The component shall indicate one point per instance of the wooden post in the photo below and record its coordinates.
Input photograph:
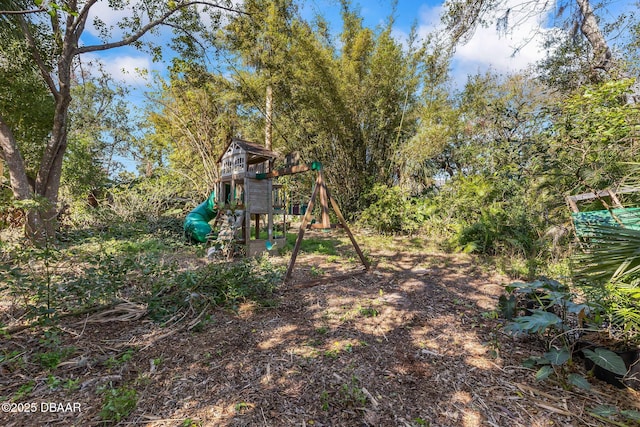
(615, 199)
(572, 204)
(336, 209)
(324, 204)
(303, 226)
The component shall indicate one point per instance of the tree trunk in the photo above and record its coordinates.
(591, 30)
(15, 163)
(50, 172)
(268, 130)
(19, 181)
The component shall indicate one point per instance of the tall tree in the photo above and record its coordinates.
(262, 39)
(192, 117)
(53, 33)
(99, 131)
(354, 103)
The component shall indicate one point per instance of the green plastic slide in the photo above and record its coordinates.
(196, 224)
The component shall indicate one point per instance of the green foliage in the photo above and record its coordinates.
(99, 130)
(391, 210)
(609, 412)
(118, 403)
(118, 361)
(49, 360)
(150, 198)
(560, 329)
(606, 359)
(23, 391)
(546, 308)
(538, 321)
(188, 124)
(127, 261)
(347, 395)
(26, 106)
(226, 284)
(594, 129)
(607, 269)
(488, 216)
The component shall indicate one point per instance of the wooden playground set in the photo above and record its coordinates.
(250, 198)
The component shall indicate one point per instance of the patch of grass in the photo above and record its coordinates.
(313, 245)
(71, 385)
(322, 330)
(24, 390)
(332, 354)
(51, 359)
(215, 284)
(368, 312)
(118, 361)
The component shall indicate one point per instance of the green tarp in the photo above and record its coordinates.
(583, 221)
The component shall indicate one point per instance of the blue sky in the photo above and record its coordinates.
(486, 50)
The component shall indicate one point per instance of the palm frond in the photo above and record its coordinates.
(611, 253)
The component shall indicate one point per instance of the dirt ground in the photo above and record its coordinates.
(411, 342)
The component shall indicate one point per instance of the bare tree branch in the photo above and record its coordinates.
(22, 12)
(142, 31)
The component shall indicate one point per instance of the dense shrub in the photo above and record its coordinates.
(391, 210)
(488, 216)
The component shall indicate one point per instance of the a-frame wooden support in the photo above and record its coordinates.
(320, 187)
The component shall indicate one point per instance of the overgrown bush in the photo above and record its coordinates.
(156, 200)
(91, 269)
(391, 210)
(488, 216)
(216, 284)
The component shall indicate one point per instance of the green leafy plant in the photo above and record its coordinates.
(368, 312)
(324, 400)
(71, 384)
(189, 423)
(118, 403)
(390, 210)
(607, 413)
(117, 361)
(23, 391)
(352, 395)
(546, 308)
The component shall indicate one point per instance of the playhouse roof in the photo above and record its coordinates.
(255, 153)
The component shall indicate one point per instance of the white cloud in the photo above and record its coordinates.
(487, 49)
(128, 69)
(106, 14)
